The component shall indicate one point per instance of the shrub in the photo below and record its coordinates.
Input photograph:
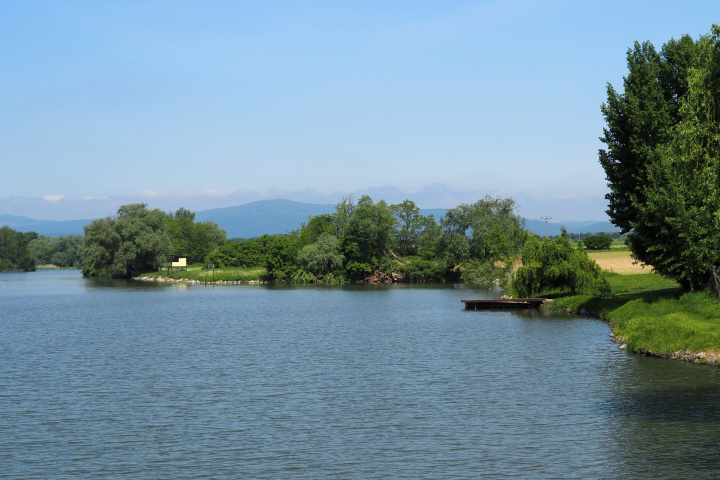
(550, 265)
(598, 242)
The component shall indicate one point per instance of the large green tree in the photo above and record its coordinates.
(367, 236)
(481, 235)
(14, 253)
(135, 241)
(190, 239)
(662, 157)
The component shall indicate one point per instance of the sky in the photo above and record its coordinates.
(209, 103)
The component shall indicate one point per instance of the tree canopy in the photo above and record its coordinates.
(62, 251)
(135, 241)
(662, 156)
(14, 253)
(190, 239)
(597, 242)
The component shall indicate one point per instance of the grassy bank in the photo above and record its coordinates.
(199, 274)
(650, 314)
(690, 323)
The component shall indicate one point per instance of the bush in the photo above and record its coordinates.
(484, 273)
(422, 271)
(598, 242)
(552, 265)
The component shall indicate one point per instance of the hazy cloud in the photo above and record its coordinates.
(53, 198)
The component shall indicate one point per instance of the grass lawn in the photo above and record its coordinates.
(200, 274)
(690, 323)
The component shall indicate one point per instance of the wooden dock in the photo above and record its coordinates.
(504, 303)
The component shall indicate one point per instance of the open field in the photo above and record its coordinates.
(618, 261)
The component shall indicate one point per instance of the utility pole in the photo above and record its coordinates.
(546, 225)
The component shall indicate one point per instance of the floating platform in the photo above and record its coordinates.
(504, 303)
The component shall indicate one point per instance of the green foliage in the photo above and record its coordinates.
(344, 210)
(247, 253)
(552, 265)
(412, 232)
(429, 238)
(357, 270)
(193, 240)
(454, 251)
(421, 271)
(280, 257)
(14, 252)
(276, 253)
(486, 232)
(485, 273)
(62, 251)
(598, 242)
(134, 242)
(321, 257)
(663, 157)
(316, 226)
(367, 234)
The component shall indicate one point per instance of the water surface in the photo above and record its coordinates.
(141, 380)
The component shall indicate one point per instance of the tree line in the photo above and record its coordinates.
(480, 243)
(364, 238)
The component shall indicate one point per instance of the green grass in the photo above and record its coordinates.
(625, 288)
(651, 313)
(667, 325)
(198, 273)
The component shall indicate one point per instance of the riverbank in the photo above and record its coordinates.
(192, 281)
(197, 275)
(651, 315)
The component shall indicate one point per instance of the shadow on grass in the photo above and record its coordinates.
(601, 306)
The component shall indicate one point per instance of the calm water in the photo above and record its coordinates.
(127, 379)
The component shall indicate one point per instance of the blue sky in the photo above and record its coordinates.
(207, 104)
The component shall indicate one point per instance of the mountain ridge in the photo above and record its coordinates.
(273, 217)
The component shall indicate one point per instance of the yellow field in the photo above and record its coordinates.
(618, 261)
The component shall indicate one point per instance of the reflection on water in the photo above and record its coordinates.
(667, 416)
(142, 380)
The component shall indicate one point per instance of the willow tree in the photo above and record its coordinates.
(662, 159)
(555, 265)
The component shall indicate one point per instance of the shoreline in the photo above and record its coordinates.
(190, 281)
(709, 357)
(701, 358)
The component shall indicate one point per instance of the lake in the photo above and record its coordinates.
(111, 379)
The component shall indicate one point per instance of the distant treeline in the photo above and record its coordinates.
(583, 236)
(481, 243)
(474, 243)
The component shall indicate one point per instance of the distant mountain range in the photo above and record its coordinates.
(272, 217)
